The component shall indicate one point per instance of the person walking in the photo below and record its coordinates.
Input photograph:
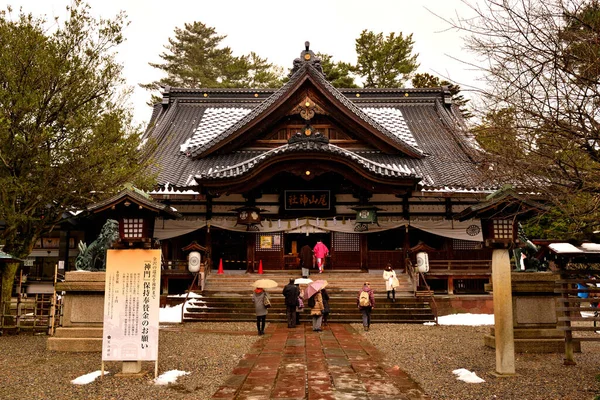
(300, 307)
(291, 293)
(258, 297)
(315, 303)
(391, 281)
(306, 260)
(320, 251)
(326, 309)
(366, 302)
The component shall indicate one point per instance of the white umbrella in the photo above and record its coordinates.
(265, 284)
(302, 281)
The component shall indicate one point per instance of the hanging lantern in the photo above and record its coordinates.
(422, 262)
(194, 262)
(366, 214)
(248, 215)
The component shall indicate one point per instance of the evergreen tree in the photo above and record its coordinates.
(66, 136)
(194, 59)
(338, 73)
(385, 61)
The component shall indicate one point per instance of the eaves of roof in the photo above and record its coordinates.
(244, 167)
(128, 194)
(509, 201)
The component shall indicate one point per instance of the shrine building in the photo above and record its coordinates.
(376, 174)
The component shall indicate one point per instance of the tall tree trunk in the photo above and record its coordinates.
(8, 279)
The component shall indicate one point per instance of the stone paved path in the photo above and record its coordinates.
(336, 364)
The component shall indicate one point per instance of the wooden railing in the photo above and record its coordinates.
(460, 266)
(416, 279)
(570, 307)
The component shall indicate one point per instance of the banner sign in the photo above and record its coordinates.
(307, 200)
(131, 305)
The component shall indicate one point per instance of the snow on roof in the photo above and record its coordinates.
(392, 120)
(214, 122)
(564, 248)
(591, 246)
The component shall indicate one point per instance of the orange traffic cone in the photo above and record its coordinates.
(220, 271)
(260, 269)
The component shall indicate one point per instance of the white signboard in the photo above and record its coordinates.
(131, 305)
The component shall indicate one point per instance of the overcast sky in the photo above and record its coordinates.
(277, 30)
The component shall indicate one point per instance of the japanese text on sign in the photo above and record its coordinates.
(131, 303)
(307, 199)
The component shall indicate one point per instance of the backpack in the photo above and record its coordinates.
(363, 299)
(311, 301)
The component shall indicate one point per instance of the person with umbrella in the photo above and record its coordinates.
(301, 284)
(366, 302)
(260, 300)
(291, 293)
(315, 302)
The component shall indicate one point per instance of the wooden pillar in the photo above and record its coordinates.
(503, 313)
(208, 245)
(250, 252)
(569, 356)
(364, 252)
(450, 284)
(405, 248)
(63, 249)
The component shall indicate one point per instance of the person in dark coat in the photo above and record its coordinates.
(366, 308)
(306, 260)
(291, 293)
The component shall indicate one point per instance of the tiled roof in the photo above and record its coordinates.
(392, 120)
(418, 120)
(137, 197)
(303, 71)
(214, 122)
(390, 170)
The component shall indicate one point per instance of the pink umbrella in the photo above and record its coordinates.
(314, 287)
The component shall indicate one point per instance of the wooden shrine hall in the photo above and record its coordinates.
(376, 174)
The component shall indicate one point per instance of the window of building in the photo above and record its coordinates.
(346, 241)
(502, 229)
(133, 228)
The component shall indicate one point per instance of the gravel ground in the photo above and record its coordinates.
(428, 353)
(29, 371)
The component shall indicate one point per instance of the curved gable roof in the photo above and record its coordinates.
(245, 166)
(378, 124)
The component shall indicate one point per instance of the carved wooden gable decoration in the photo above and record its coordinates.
(307, 103)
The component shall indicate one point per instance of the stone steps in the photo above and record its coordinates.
(227, 298)
(339, 281)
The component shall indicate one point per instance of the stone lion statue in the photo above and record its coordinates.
(93, 257)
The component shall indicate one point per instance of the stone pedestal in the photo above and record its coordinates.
(534, 315)
(83, 313)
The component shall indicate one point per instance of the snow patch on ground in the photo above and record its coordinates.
(465, 375)
(169, 377)
(87, 378)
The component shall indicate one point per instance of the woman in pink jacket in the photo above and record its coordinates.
(320, 251)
